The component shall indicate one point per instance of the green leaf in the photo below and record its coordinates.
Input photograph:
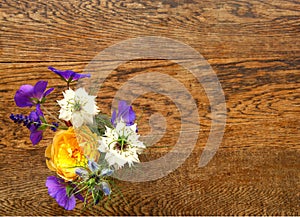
(43, 100)
(69, 189)
(34, 100)
(42, 127)
(43, 119)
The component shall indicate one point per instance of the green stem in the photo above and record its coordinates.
(80, 190)
(49, 113)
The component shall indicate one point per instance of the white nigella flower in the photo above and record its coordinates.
(78, 107)
(121, 145)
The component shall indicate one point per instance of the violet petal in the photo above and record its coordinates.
(78, 76)
(68, 74)
(36, 136)
(39, 89)
(62, 74)
(48, 92)
(53, 185)
(39, 111)
(23, 95)
(63, 200)
(57, 190)
(79, 197)
(113, 117)
(34, 116)
(126, 113)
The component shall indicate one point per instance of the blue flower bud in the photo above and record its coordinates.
(82, 173)
(105, 188)
(93, 166)
(106, 172)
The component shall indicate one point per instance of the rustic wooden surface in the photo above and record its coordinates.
(253, 46)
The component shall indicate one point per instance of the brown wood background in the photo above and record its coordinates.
(254, 48)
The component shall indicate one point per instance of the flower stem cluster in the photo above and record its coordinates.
(94, 180)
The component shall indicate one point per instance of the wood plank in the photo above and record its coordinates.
(76, 31)
(260, 181)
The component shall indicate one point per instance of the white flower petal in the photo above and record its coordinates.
(116, 157)
(78, 107)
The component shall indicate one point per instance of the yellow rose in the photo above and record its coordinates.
(65, 154)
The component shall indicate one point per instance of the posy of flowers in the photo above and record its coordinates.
(87, 147)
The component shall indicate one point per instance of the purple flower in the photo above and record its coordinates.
(32, 122)
(68, 75)
(60, 191)
(125, 113)
(29, 95)
(35, 134)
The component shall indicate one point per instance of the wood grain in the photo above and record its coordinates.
(253, 46)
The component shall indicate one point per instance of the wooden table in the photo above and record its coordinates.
(252, 46)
